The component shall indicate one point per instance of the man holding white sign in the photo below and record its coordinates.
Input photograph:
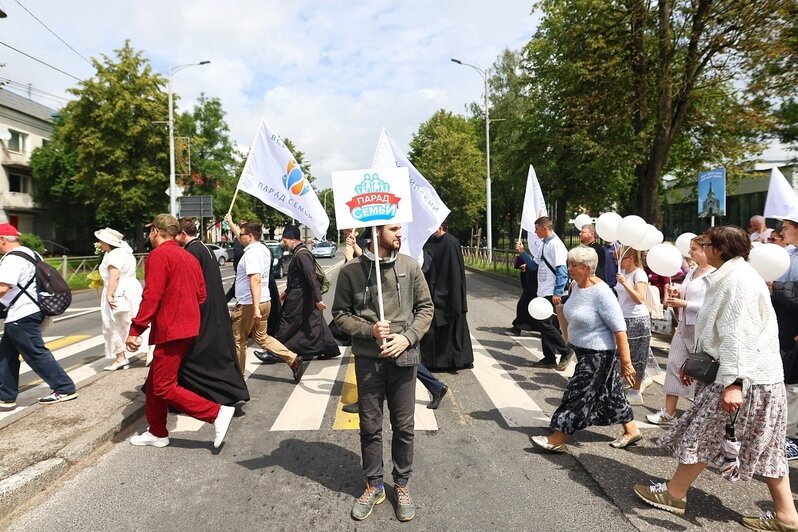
(386, 355)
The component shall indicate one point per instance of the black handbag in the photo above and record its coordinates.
(701, 366)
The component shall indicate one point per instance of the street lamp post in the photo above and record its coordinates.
(484, 75)
(172, 186)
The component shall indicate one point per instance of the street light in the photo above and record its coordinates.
(172, 199)
(484, 75)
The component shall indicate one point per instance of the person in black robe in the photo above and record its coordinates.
(210, 368)
(447, 344)
(529, 286)
(302, 327)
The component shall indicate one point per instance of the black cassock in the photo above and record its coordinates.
(210, 368)
(302, 327)
(447, 344)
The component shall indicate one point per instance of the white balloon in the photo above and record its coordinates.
(540, 308)
(652, 238)
(755, 244)
(631, 230)
(770, 261)
(582, 220)
(683, 243)
(607, 226)
(664, 260)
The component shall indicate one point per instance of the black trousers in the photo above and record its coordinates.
(551, 337)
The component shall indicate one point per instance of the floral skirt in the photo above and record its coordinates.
(594, 395)
(761, 429)
(638, 330)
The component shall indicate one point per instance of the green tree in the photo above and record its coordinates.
(445, 151)
(658, 87)
(109, 156)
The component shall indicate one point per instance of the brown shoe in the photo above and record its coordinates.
(298, 369)
(769, 522)
(657, 496)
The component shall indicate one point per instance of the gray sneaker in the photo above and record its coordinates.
(365, 504)
(405, 509)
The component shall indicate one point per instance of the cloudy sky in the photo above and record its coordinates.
(327, 74)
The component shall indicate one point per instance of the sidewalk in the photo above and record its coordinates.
(41, 443)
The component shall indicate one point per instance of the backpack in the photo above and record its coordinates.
(324, 283)
(52, 291)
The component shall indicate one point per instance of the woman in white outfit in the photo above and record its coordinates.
(121, 295)
(686, 298)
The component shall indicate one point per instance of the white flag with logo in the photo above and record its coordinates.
(781, 196)
(272, 175)
(534, 204)
(429, 211)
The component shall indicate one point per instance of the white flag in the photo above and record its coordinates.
(534, 204)
(272, 175)
(781, 196)
(428, 209)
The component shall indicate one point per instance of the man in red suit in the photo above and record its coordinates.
(174, 288)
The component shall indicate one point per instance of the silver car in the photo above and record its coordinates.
(324, 249)
(219, 253)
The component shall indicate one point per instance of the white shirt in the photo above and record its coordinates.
(17, 270)
(629, 307)
(755, 235)
(257, 259)
(557, 255)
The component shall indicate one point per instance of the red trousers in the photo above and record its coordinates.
(163, 389)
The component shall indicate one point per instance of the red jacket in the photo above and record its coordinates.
(174, 288)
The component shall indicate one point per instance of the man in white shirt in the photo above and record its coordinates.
(757, 230)
(23, 332)
(550, 256)
(252, 284)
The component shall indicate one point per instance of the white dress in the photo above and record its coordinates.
(116, 326)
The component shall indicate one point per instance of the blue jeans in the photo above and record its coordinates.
(24, 337)
(430, 382)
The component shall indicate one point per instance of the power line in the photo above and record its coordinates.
(51, 31)
(30, 88)
(40, 61)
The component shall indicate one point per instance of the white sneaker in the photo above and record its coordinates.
(222, 423)
(648, 381)
(148, 439)
(661, 418)
(635, 399)
(125, 364)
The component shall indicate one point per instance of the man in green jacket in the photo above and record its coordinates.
(384, 366)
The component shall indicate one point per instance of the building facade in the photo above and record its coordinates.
(24, 126)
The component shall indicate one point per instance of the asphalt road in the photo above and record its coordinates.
(474, 466)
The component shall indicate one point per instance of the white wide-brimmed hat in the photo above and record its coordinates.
(112, 237)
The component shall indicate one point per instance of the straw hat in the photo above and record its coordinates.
(112, 237)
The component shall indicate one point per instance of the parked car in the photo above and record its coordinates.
(219, 253)
(324, 249)
(227, 245)
(280, 256)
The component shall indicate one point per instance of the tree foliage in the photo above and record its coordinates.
(445, 151)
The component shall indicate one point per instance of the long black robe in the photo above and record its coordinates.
(302, 326)
(210, 368)
(447, 344)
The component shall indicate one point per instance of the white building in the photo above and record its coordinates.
(24, 126)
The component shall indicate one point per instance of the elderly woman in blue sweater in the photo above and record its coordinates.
(594, 326)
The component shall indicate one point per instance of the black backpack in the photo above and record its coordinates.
(52, 291)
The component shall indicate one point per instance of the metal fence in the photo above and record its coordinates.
(71, 266)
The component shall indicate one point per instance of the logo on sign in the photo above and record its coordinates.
(373, 200)
(294, 181)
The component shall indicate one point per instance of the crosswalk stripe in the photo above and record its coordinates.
(73, 345)
(307, 404)
(513, 403)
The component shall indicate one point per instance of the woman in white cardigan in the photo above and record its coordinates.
(686, 299)
(737, 326)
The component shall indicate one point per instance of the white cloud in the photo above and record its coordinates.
(327, 74)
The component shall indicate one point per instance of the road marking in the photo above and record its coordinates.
(307, 404)
(74, 345)
(512, 402)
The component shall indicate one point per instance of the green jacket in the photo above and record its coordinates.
(406, 301)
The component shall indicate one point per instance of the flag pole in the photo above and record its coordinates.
(379, 278)
(235, 195)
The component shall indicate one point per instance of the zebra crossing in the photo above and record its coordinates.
(306, 407)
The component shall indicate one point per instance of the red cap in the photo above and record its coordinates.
(8, 230)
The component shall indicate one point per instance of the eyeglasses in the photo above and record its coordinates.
(705, 244)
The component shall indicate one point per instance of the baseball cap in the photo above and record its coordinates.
(165, 222)
(8, 230)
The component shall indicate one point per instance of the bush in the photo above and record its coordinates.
(32, 241)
